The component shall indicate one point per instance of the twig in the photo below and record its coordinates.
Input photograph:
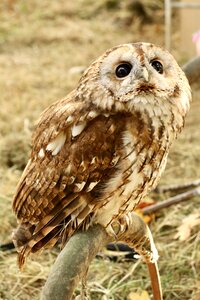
(178, 187)
(155, 280)
(170, 201)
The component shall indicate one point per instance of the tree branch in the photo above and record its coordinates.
(73, 261)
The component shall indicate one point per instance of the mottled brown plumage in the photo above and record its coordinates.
(97, 152)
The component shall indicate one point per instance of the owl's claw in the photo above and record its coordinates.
(147, 249)
(133, 230)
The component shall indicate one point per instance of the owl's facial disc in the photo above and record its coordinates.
(135, 73)
(124, 71)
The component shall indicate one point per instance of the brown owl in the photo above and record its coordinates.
(101, 149)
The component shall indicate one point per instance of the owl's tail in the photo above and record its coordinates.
(59, 225)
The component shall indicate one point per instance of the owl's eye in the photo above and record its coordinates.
(157, 66)
(123, 70)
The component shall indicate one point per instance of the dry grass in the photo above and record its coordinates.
(40, 43)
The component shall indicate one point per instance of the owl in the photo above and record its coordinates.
(99, 151)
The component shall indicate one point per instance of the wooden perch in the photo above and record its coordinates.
(72, 263)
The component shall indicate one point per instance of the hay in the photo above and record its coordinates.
(40, 41)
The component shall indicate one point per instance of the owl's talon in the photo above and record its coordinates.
(133, 230)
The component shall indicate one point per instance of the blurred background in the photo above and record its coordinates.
(44, 48)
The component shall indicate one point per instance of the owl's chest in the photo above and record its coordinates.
(139, 170)
(142, 167)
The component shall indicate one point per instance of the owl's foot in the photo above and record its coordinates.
(146, 248)
(132, 230)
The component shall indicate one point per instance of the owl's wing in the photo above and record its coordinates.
(74, 153)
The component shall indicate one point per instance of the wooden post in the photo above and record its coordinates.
(168, 25)
(190, 23)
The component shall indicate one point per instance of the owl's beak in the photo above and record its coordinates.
(143, 74)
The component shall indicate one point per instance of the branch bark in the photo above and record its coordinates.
(72, 263)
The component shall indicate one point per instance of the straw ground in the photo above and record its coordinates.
(44, 45)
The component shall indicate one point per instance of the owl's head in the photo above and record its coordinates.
(138, 76)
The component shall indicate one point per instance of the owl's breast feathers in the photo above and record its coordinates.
(83, 164)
